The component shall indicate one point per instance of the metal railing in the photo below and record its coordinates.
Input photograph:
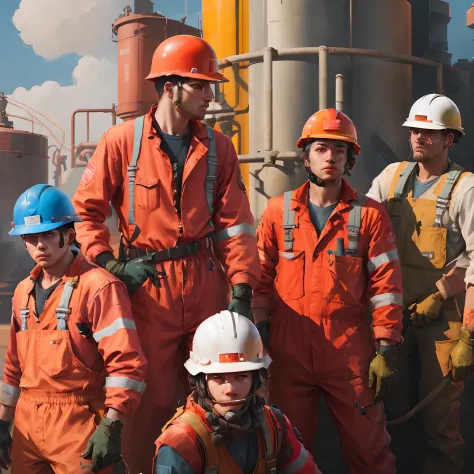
(112, 111)
(269, 54)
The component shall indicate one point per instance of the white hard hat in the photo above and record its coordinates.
(224, 343)
(435, 112)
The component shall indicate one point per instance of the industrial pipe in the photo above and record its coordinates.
(112, 111)
(279, 54)
(268, 98)
(323, 77)
(339, 92)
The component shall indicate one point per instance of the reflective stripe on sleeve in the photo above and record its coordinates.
(125, 382)
(233, 232)
(385, 299)
(379, 260)
(120, 323)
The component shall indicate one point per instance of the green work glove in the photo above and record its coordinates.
(462, 356)
(5, 443)
(104, 445)
(135, 272)
(382, 374)
(241, 302)
(426, 311)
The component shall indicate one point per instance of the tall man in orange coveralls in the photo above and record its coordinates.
(71, 322)
(186, 225)
(327, 253)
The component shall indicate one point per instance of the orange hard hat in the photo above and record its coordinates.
(185, 56)
(332, 125)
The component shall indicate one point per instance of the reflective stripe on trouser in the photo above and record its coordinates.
(166, 319)
(46, 434)
(331, 357)
(433, 344)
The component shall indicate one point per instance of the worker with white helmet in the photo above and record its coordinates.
(225, 426)
(430, 200)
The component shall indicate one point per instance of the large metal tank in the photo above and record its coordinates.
(137, 38)
(377, 93)
(24, 161)
(288, 24)
(381, 91)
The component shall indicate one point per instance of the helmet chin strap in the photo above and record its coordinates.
(239, 401)
(315, 179)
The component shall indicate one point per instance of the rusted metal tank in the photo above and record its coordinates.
(24, 162)
(137, 38)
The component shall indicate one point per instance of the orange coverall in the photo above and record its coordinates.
(191, 441)
(60, 375)
(196, 286)
(321, 342)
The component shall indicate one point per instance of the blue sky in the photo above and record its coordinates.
(20, 66)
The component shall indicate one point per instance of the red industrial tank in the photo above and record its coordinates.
(24, 162)
(137, 38)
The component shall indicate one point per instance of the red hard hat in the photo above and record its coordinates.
(332, 125)
(185, 56)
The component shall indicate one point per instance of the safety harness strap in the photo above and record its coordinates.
(63, 310)
(353, 226)
(211, 175)
(403, 179)
(204, 434)
(443, 199)
(132, 173)
(288, 221)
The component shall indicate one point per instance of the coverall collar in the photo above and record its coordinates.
(71, 272)
(198, 129)
(299, 200)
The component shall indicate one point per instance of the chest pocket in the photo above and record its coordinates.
(54, 353)
(421, 237)
(147, 193)
(344, 279)
(289, 281)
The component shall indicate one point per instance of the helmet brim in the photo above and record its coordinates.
(429, 126)
(216, 368)
(44, 227)
(301, 143)
(209, 76)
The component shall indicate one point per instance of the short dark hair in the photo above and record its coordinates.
(161, 81)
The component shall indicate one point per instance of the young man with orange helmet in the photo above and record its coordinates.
(73, 351)
(225, 426)
(430, 201)
(187, 230)
(327, 254)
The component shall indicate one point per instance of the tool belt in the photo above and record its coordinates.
(173, 253)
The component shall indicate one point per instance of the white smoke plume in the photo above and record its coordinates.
(56, 27)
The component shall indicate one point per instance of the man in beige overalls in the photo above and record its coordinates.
(431, 203)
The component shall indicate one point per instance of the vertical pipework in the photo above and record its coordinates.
(323, 77)
(439, 79)
(268, 98)
(351, 11)
(339, 92)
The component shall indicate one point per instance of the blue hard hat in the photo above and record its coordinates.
(40, 209)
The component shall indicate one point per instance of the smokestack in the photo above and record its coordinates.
(142, 6)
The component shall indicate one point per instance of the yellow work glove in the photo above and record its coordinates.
(427, 310)
(462, 356)
(381, 375)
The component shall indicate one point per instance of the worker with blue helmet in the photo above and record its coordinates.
(71, 326)
(42, 208)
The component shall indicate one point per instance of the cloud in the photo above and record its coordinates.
(56, 27)
(95, 86)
